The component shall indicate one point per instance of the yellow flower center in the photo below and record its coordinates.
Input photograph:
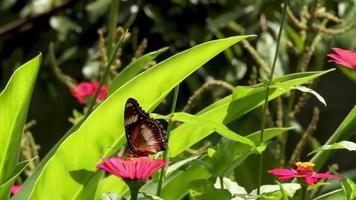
(305, 168)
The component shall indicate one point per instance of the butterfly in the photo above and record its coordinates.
(145, 136)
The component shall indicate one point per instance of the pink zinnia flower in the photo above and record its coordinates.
(303, 170)
(87, 89)
(15, 188)
(343, 57)
(140, 168)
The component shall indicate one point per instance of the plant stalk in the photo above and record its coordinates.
(265, 106)
(303, 192)
(106, 73)
(169, 128)
(112, 26)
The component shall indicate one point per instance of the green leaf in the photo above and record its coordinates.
(102, 133)
(133, 69)
(204, 189)
(177, 184)
(111, 184)
(211, 126)
(343, 132)
(229, 154)
(14, 103)
(351, 146)
(6, 186)
(244, 99)
(349, 189)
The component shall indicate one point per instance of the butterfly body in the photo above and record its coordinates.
(145, 136)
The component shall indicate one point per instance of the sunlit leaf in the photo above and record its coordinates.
(132, 70)
(244, 99)
(14, 103)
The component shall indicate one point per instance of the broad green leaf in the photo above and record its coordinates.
(132, 70)
(343, 132)
(350, 146)
(6, 186)
(244, 99)
(211, 126)
(14, 103)
(102, 133)
(111, 184)
(30, 181)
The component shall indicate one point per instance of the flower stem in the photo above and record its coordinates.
(134, 193)
(303, 192)
(265, 106)
(112, 25)
(221, 179)
(165, 153)
(134, 186)
(106, 73)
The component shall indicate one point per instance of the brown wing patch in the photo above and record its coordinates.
(133, 112)
(147, 138)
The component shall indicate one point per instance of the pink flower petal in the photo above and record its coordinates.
(343, 57)
(310, 180)
(327, 175)
(283, 172)
(15, 188)
(140, 168)
(87, 89)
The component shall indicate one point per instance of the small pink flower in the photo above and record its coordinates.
(15, 188)
(87, 89)
(303, 170)
(343, 57)
(132, 169)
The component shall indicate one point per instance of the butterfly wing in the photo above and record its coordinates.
(134, 113)
(144, 135)
(147, 137)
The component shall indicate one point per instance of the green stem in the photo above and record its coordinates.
(134, 186)
(265, 106)
(106, 73)
(134, 193)
(112, 26)
(303, 192)
(165, 153)
(221, 179)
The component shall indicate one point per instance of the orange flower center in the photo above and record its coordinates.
(305, 168)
